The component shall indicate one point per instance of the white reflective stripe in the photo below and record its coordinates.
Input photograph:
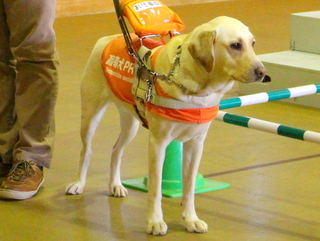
(254, 99)
(303, 90)
(174, 104)
(169, 102)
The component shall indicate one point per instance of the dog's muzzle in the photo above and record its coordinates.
(260, 73)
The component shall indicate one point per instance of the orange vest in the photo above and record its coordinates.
(118, 68)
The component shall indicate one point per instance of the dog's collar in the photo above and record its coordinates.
(168, 77)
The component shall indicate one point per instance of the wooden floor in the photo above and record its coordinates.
(275, 181)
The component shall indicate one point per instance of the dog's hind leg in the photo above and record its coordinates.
(129, 127)
(94, 101)
(89, 124)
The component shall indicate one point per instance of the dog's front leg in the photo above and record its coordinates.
(156, 224)
(192, 152)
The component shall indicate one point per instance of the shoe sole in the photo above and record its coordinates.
(19, 195)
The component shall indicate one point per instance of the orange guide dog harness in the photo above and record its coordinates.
(119, 70)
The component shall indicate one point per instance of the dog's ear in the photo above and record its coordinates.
(201, 49)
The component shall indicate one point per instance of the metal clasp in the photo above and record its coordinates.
(149, 91)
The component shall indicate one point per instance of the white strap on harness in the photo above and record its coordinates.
(144, 53)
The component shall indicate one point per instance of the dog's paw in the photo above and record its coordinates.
(157, 228)
(74, 188)
(196, 226)
(118, 191)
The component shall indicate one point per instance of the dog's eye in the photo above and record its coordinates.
(236, 46)
(253, 43)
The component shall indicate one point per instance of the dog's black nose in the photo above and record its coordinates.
(266, 79)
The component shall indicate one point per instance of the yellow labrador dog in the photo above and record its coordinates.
(213, 56)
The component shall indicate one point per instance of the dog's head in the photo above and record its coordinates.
(224, 48)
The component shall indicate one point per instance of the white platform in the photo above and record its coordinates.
(298, 67)
(305, 31)
(289, 69)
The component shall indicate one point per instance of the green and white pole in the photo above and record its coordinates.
(270, 96)
(270, 127)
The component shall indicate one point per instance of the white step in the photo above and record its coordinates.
(305, 31)
(288, 69)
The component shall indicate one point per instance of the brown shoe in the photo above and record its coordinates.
(23, 181)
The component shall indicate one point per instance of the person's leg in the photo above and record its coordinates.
(8, 130)
(32, 43)
(33, 46)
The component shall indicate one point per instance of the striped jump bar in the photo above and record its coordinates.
(270, 127)
(270, 96)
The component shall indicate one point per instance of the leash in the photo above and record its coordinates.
(126, 33)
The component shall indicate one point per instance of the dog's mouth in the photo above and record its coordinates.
(246, 80)
(264, 79)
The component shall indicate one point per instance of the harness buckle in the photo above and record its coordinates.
(145, 83)
(149, 91)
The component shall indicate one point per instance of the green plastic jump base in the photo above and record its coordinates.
(207, 186)
(172, 176)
